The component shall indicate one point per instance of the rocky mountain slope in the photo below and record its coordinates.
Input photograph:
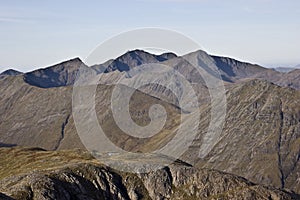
(62, 74)
(260, 140)
(33, 116)
(130, 60)
(38, 174)
(233, 70)
(10, 72)
(291, 79)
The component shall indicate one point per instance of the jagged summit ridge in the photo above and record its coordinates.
(132, 59)
(231, 70)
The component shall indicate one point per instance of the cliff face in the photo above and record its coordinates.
(76, 175)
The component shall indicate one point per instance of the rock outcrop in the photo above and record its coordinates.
(79, 176)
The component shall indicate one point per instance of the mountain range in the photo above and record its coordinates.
(260, 140)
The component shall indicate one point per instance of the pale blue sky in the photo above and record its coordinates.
(37, 33)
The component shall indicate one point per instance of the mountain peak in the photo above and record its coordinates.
(168, 55)
(136, 51)
(131, 59)
(11, 72)
(61, 74)
(70, 61)
(76, 59)
(143, 52)
(135, 54)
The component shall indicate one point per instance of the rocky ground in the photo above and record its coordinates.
(29, 173)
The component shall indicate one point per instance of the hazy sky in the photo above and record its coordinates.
(39, 33)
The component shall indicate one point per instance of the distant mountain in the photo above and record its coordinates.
(284, 69)
(10, 72)
(297, 66)
(166, 56)
(233, 70)
(290, 79)
(132, 59)
(62, 74)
